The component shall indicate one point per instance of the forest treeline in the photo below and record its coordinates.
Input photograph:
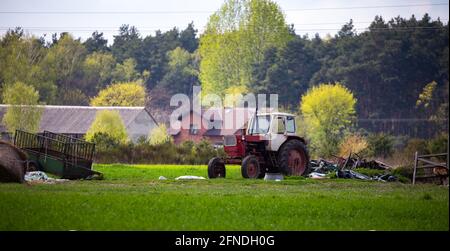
(387, 67)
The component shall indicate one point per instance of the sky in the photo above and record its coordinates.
(82, 17)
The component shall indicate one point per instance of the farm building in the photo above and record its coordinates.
(76, 120)
(215, 131)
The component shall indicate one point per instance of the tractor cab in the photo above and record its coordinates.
(274, 128)
(272, 123)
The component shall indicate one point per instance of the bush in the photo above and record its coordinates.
(380, 145)
(104, 141)
(353, 143)
(165, 153)
(404, 173)
(438, 144)
(186, 152)
(203, 152)
(415, 145)
(108, 123)
(370, 172)
(159, 135)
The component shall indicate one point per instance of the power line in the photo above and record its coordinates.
(161, 27)
(370, 7)
(300, 30)
(209, 12)
(155, 28)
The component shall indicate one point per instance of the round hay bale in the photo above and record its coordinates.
(12, 163)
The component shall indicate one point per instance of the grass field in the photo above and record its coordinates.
(132, 198)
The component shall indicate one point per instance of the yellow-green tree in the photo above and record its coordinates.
(328, 111)
(23, 114)
(126, 71)
(235, 39)
(159, 135)
(121, 94)
(426, 96)
(108, 124)
(20, 59)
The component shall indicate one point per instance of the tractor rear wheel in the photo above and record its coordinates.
(216, 168)
(250, 167)
(293, 158)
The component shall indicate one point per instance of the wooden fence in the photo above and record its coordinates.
(425, 167)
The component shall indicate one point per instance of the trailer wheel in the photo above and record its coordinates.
(250, 167)
(216, 168)
(294, 158)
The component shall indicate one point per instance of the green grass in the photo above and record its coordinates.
(132, 198)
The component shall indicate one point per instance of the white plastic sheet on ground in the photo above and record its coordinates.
(274, 176)
(41, 177)
(190, 177)
(315, 175)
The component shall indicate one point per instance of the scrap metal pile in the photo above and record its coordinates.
(344, 168)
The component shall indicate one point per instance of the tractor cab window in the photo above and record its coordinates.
(279, 125)
(260, 125)
(290, 125)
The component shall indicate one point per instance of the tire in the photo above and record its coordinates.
(250, 167)
(216, 168)
(293, 158)
(262, 173)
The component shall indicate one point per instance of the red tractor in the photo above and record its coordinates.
(269, 144)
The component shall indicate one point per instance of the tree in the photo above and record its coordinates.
(286, 72)
(153, 55)
(98, 70)
(368, 63)
(159, 135)
(20, 59)
(96, 43)
(188, 38)
(182, 72)
(328, 111)
(73, 96)
(435, 107)
(347, 30)
(235, 39)
(121, 94)
(22, 113)
(126, 71)
(426, 96)
(127, 43)
(109, 124)
(63, 65)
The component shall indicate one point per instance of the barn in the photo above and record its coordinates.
(76, 120)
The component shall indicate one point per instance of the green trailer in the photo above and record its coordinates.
(58, 154)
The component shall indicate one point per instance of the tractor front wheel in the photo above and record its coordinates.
(250, 167)
(216, 168)
(293, 158)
